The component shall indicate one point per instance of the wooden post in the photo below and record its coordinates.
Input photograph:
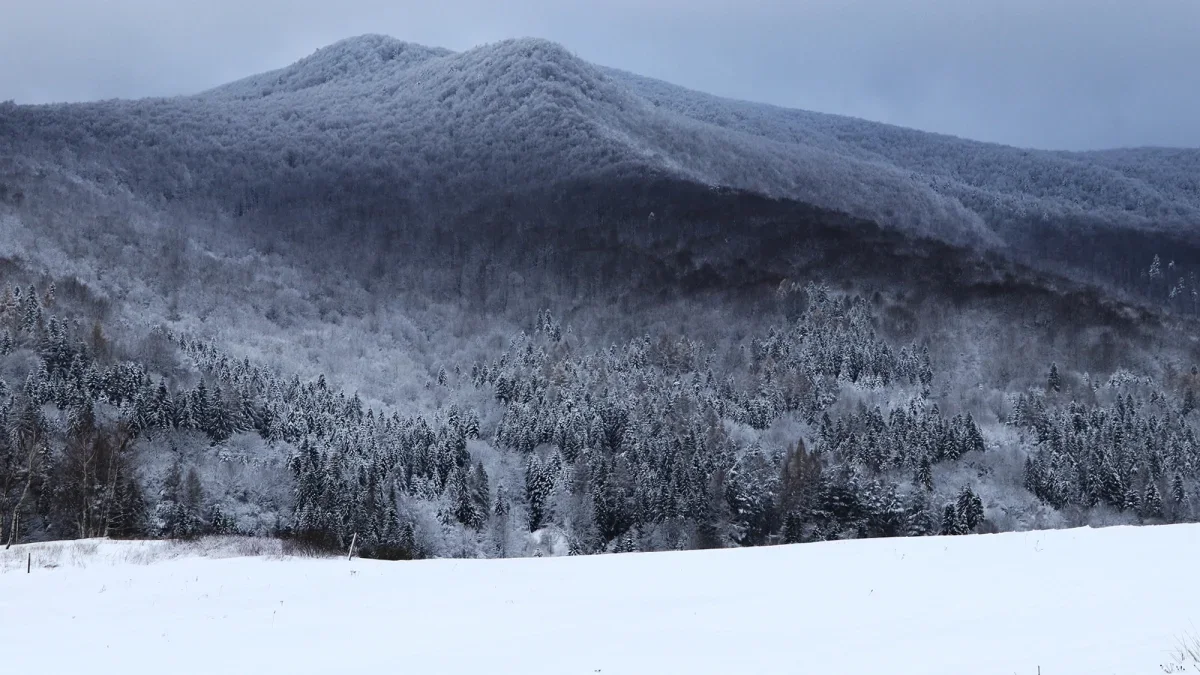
(352, 540)
(29, 563)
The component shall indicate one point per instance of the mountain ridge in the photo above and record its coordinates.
(381, 112)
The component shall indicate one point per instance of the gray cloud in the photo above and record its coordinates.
(1064, 74)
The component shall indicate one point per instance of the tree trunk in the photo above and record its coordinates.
(32, 440)
(16, 515)
(124, 436)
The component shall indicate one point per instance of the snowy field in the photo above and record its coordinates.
(1116, 600)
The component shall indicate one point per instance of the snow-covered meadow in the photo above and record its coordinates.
(1115, 600)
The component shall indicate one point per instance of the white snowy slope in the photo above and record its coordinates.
(523, 113)
(1115, 600)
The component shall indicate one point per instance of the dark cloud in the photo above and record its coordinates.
(1062, 74)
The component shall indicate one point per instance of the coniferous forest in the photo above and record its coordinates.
(816, 429)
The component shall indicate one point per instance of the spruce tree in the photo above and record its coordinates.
(219, 522)
(801, 480)
(198, 408)
(502, 506)
(970, 509)
(923, 477)
(170, 510)
(793, 528)
(1152, 503)
(920, 521)
(1178, 492)
(1054, 382)
(951, 524)
(974, 438)
(626, 544)
(1033, 477)
(1132, 501)
(219, 424)
(192, 504)
(128, 517)
(466, 508)
(480, 491)
(540, 482)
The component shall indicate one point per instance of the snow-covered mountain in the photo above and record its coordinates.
(419, 123)
(433, 301)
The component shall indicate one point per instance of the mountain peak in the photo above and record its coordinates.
(533, 47)
(360, 57)
(374, 58)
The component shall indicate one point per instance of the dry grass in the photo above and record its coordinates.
(88, 552)
(1185, 658)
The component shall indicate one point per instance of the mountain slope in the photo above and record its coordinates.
(1068, 602)
(375, 114)
(1145, 186)
(434, 301)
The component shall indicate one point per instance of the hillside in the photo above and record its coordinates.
(1144, 186)
(1069, 602)
(436, 302)
(427, 125)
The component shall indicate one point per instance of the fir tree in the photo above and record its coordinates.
(801, 481)
(191, 506)
(1152, 503)
(920, 521)
(1178, 492)
(970, 509)
(625, 544)
(502, 506)
(219, 522)
(199, 408)
(480, 491)
(1132, 501)
(793, 528)
(466, 507)
(128, 517)
(951, 523)
(540, 482)
(170, 509)
(923, 477)
(974, 438)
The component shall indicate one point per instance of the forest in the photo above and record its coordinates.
(816, 429)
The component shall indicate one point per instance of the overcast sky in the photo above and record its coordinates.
(1072, 74)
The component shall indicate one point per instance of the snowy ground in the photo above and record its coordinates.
(1116, 600)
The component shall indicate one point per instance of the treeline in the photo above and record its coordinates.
(552, 446)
